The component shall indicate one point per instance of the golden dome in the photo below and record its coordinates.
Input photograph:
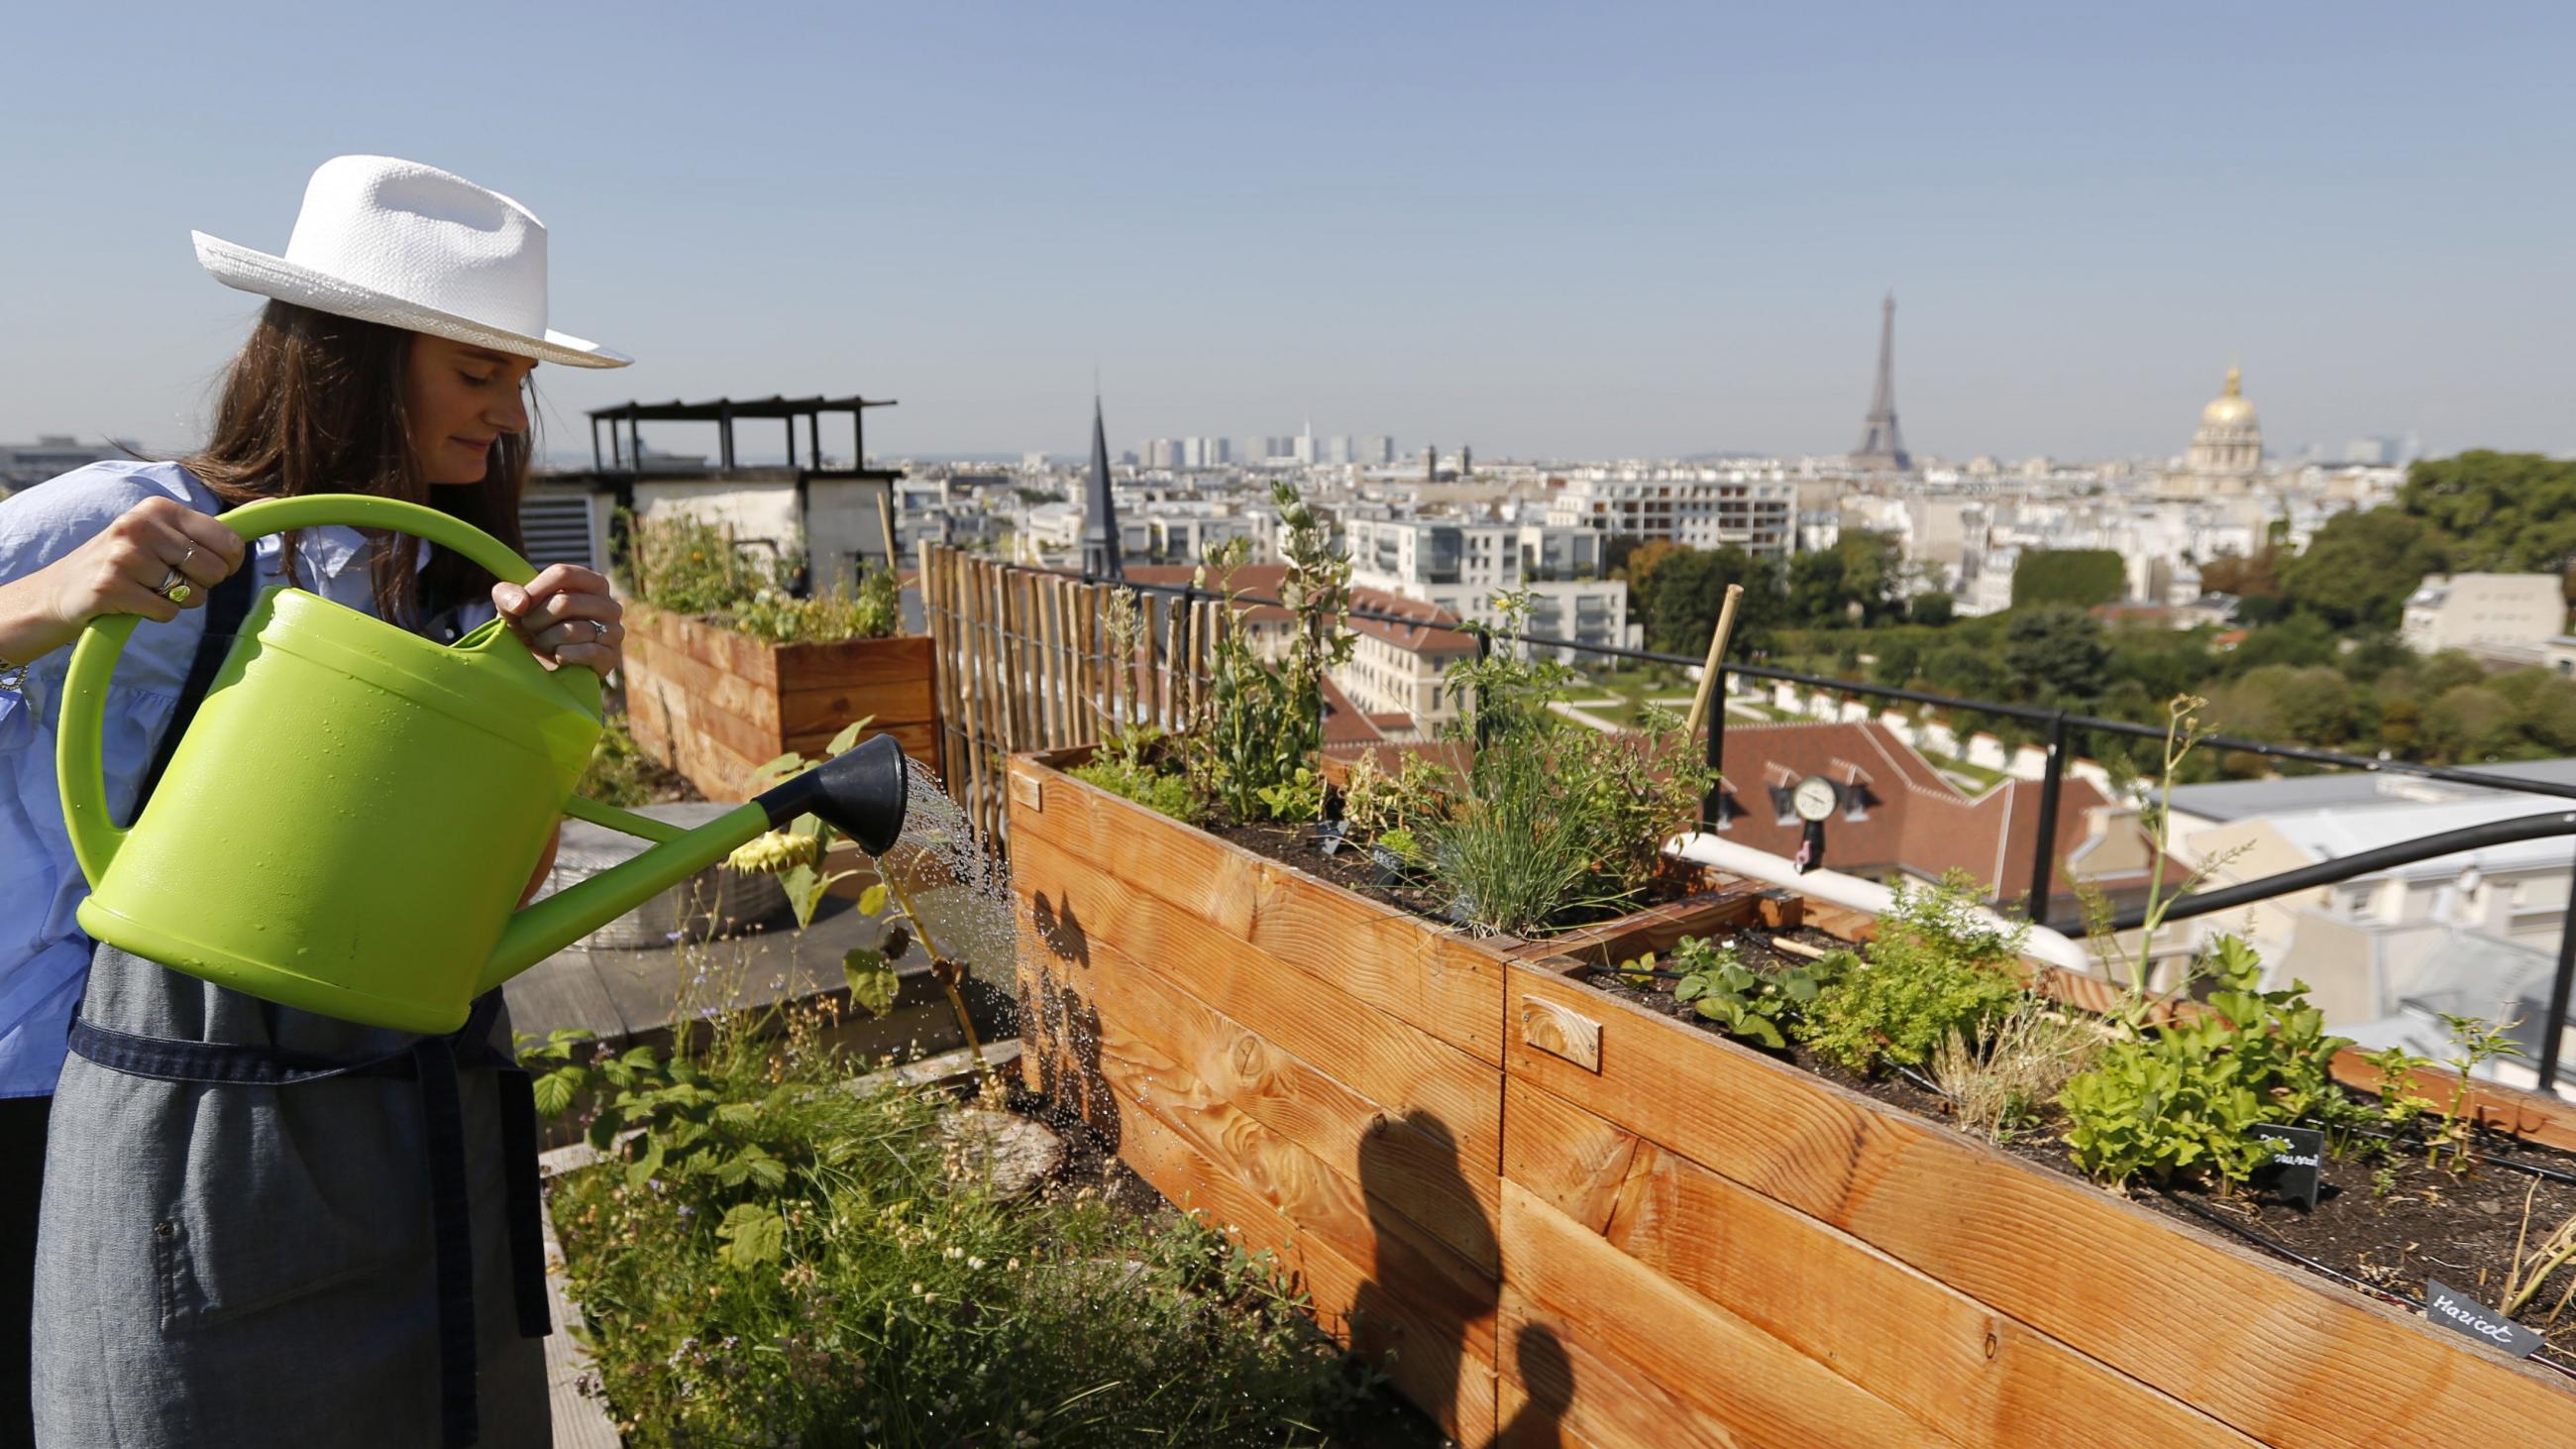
(2230, 408)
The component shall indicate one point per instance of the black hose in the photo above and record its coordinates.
(2553, 1174)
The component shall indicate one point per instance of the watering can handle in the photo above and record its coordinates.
(80, 768)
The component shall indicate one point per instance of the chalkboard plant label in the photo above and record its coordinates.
(2460, 1313)
(2296, 1165)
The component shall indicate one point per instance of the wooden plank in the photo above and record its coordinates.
(854, 661)
(729, 693)
(1747, 1381)
(1445, 983)
(1156, 1042)
(830, 710)
(1959, 1367)
(2285, 1359)
(1443, 1363)
(1081, 916)
(1554, 1387)
(1355, 1212)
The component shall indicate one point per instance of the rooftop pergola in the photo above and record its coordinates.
(627, 454)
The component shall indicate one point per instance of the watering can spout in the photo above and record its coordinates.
(863, 794)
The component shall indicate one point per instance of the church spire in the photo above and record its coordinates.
(1100, 553)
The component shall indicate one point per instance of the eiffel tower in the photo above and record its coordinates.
(1881, 446)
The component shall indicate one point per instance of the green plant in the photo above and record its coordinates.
(818, 1265)
(1264, 718)
(1939, 965)
(873, 611)
(2474, 1042)
(1375, 802)
(2028, 1057)
(1747, 1003)
(2191, 1095)
(796, 852)
(1134, 763)
(2138, 1005)
(1551, 820)
(2384, 1180)
(621, 774)
(2399, 1106)
(685, 565)
(1300, 797)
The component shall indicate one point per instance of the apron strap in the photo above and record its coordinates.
(225, 610)
(434, 1062)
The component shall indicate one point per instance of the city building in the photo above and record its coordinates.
(2474, 932)
(2226, 457)
(1697, 507)
(52, 454)
(2512, 614)
(1463, 565)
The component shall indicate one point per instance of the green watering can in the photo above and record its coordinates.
(350, 819)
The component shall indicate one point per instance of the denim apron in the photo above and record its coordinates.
(264, 1226)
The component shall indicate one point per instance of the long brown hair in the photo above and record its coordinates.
(314, 404)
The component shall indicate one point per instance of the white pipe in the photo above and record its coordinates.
(1858, 894)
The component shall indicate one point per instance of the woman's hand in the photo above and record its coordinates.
(158, 543)
(567, 616)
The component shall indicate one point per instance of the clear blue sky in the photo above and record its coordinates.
(1575, 230)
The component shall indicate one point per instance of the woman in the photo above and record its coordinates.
(261, 1225)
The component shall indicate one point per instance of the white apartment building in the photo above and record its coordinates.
(1403, 668)
(1755, 510)
(1462, 564)
(2484, 611)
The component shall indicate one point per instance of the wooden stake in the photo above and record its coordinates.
(1716, 654)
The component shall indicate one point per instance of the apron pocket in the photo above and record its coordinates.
(260, 1222)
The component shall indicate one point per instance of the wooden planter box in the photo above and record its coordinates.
(1703, 1245)
(1585, 1223)
(1319, 1071)
(716, 705)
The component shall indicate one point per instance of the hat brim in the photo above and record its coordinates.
(244, 269)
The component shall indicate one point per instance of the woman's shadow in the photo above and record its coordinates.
(1425, 1290)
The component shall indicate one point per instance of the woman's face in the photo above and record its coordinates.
(460, 399)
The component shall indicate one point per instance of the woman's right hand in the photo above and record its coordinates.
(121, 571)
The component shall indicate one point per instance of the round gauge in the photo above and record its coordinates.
(1815, 798)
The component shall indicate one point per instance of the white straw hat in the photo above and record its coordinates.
(414, 247)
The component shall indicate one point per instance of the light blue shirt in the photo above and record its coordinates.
(44, 955)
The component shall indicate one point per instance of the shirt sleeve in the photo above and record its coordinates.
(39, 525)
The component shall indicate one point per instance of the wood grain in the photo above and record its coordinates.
(1217, 1077)
(1443, 1359)
(2277, 1356)
(1444, 983)
(1378, 1055)
(1959, 1367)
(1745, 1380)
(1554, 1387)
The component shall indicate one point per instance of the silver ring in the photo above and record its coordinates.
(598, 632)
(175, 588)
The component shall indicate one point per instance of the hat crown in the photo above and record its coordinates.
(429, 237)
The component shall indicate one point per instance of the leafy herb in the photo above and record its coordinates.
(1940, 965)
(1756, 1005)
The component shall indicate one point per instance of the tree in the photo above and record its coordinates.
(1690, 585)
(2360, 567)
(2498, 512)
(2082, 577)
(2056, 655)
(1935, 608)
(2471, 723)
(2242, 577)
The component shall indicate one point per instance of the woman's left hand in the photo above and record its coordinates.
(567, 616)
